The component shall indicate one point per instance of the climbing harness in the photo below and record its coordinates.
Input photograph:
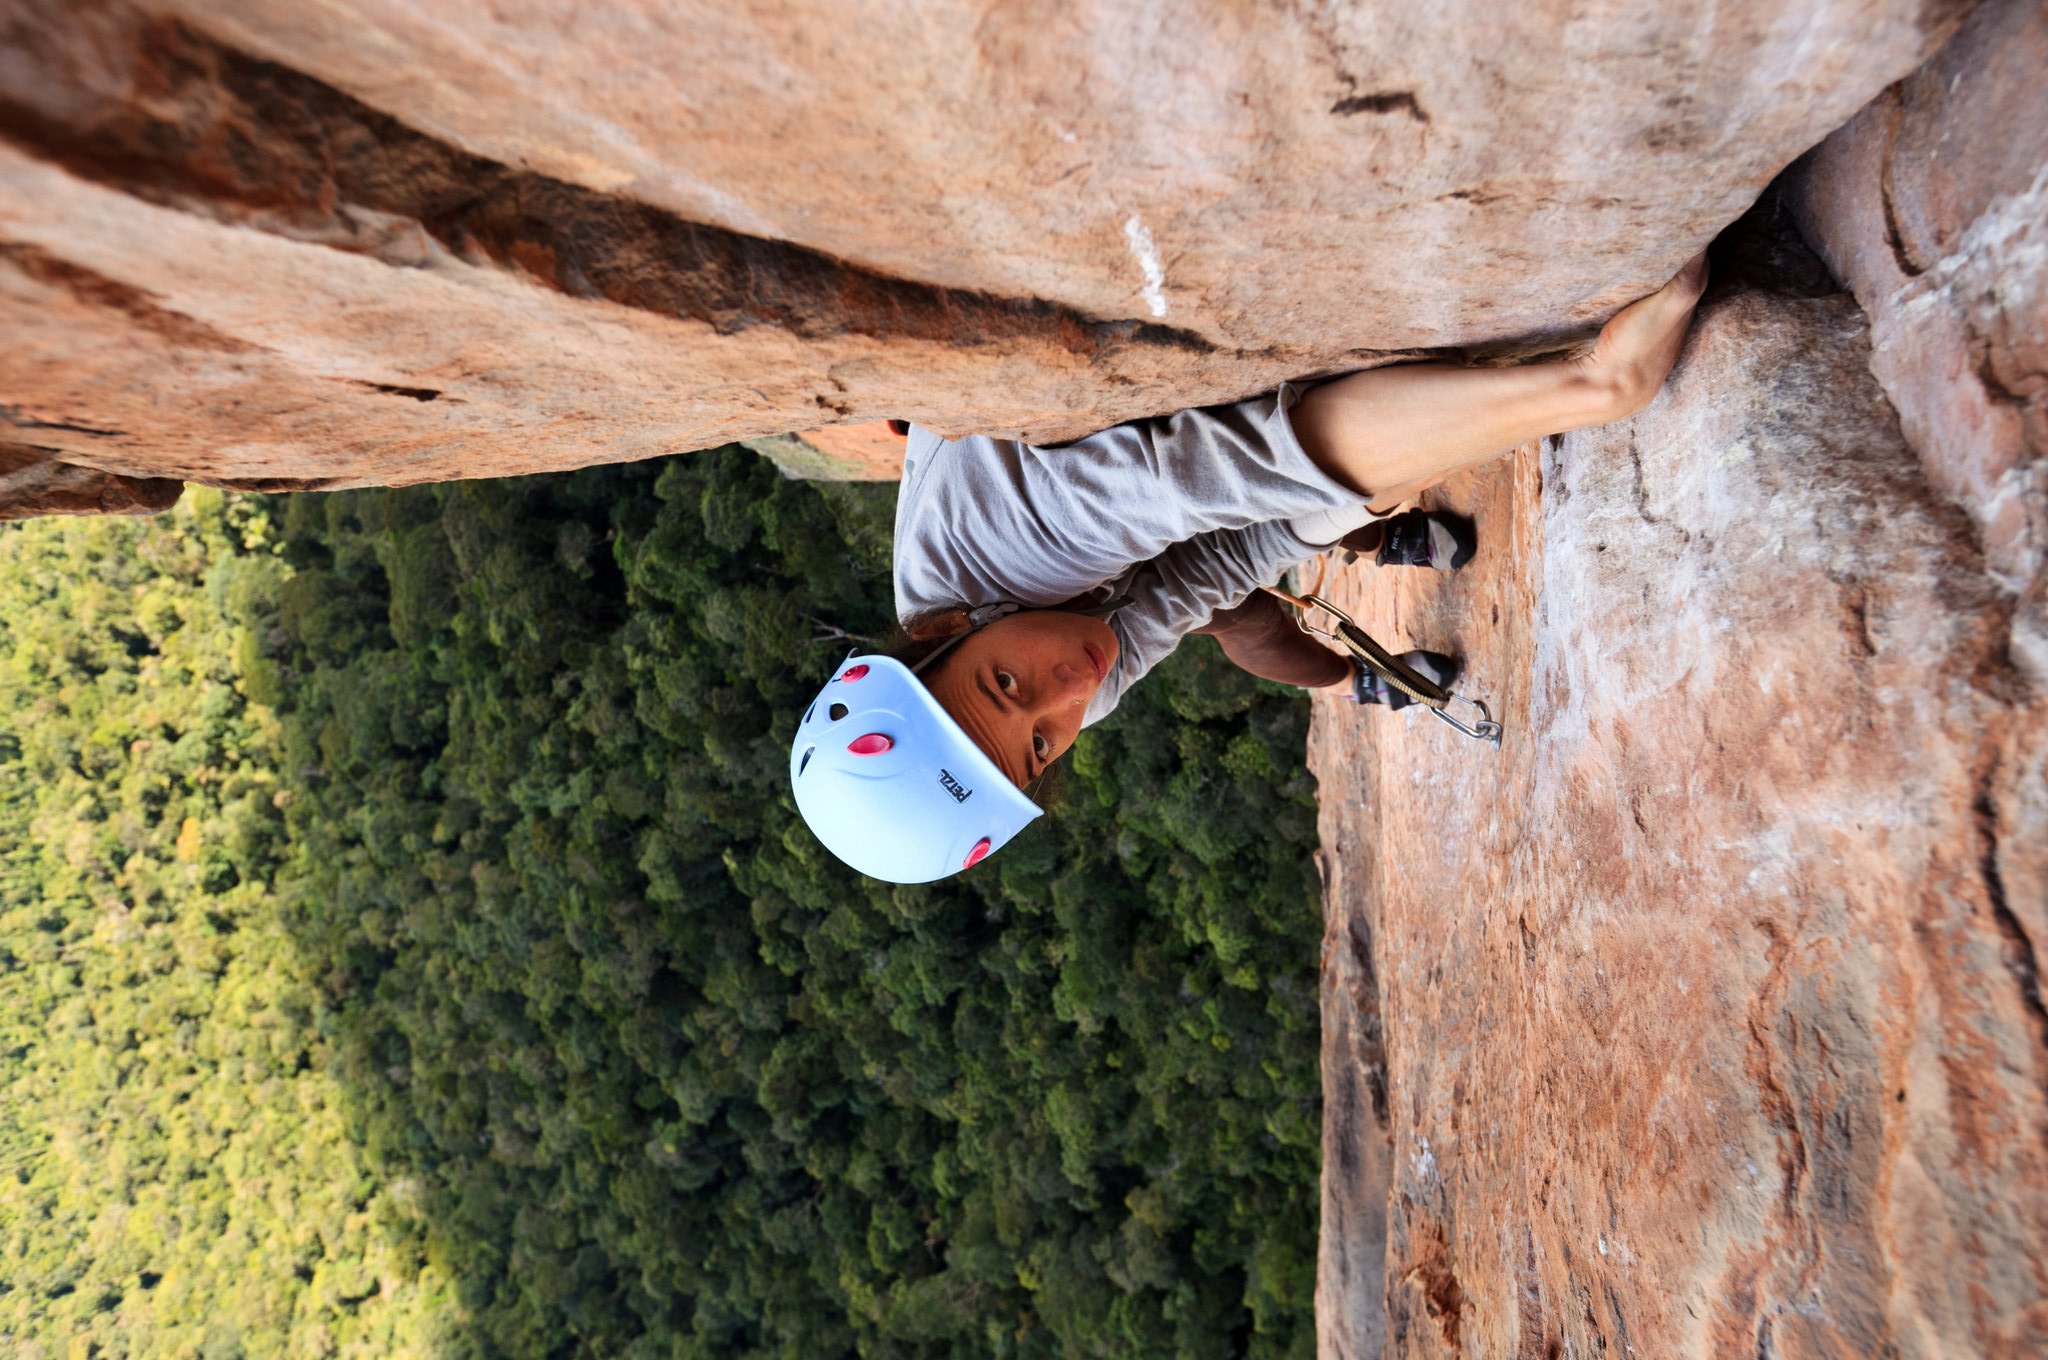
(1389, 667)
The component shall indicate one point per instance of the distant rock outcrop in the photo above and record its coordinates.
(867, 452)
(34, 483)
(280, 245)
(1705, 1018)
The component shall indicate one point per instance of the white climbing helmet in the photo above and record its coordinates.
(892, 785)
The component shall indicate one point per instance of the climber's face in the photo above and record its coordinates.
(1020, 686)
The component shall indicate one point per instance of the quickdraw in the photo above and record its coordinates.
(1419, 688)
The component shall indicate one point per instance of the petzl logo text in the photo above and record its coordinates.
(960, 795)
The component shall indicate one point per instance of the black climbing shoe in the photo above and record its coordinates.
(1368, 686)
(1426, 538)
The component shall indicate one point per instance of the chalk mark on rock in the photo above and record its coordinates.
(1140, 238)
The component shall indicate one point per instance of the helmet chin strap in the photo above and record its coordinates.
(948, 645)
(978, 618)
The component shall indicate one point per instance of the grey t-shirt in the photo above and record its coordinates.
(1156, 524)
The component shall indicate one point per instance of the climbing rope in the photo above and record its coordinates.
(1422, 690)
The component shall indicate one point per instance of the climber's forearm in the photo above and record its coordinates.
(1390, 432)
(1261, 638)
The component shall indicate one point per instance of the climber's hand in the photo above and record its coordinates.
(1638, 347)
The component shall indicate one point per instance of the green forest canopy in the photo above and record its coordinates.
(408, 946)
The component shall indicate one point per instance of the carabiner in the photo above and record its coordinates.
(1486, 729)
(1361, 646)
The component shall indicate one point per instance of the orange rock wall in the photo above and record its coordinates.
(374, 241)
(1932, 207)
(1705, 1017)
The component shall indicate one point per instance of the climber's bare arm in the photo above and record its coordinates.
(1392, 432)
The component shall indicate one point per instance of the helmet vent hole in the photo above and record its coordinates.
(836, 712)
(805, 759)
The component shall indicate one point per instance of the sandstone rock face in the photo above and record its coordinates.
(301, 245)
(1704, 1018)
(1932, 205)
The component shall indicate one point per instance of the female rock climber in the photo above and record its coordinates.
(1036, 584)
